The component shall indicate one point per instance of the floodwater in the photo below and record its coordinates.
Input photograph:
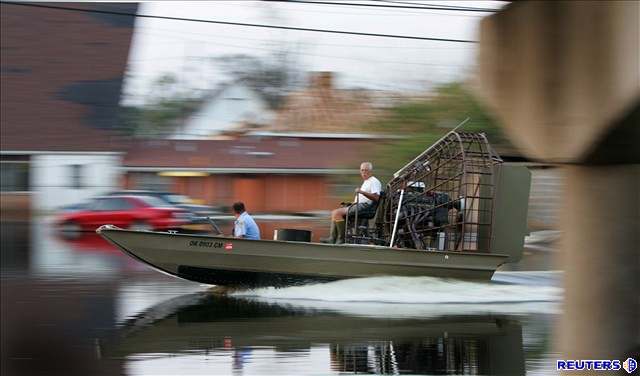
(80, 307)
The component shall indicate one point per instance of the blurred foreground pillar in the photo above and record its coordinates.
(564, 79)
(601, 262)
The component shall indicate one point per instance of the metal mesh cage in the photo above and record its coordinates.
(445, 197)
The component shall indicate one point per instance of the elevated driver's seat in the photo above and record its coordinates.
(360, 230)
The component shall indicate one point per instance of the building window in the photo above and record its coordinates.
(14, 176)
(76, 176)
(151, 181)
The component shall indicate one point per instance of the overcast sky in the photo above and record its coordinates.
(185, 48)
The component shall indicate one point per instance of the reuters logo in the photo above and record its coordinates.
(630, 365)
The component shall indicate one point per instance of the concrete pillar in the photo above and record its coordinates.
(564, 79)
(601, 237)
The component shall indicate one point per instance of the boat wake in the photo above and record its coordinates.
(509, 292)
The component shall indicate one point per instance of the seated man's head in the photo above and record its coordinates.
(366, 170)
(238, 208)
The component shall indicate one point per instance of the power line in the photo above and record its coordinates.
(378, 12)
(240, 23)
(301, 53)
(209, 37)
(293, 7)
(443, 7)
(432, 7)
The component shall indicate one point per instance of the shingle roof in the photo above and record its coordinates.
(323, 108)
(61, 77)
(250, 152)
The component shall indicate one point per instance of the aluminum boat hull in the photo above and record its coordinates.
(225, 261)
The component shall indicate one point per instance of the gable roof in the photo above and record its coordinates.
(228, 108)
(322, 108)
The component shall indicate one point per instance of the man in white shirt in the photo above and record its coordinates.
(366, 196)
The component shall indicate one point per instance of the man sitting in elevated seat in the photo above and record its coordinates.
(366, 199)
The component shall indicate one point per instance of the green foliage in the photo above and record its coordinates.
(158, 119)
(167, 110)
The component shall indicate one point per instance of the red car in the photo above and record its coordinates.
(133, 212)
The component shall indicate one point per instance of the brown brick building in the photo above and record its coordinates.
(62, 74)
(278, 174)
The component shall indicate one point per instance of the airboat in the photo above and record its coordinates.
(455, 211)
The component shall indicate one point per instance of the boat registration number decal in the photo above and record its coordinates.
(205, 244)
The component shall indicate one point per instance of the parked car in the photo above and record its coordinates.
(174, 199)
(126, 211)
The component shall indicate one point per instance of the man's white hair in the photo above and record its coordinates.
(368, 165)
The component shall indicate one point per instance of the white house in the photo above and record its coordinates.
(52, 179)
(233, 105)
(65, 178)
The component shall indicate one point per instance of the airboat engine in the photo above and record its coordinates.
(457, 195)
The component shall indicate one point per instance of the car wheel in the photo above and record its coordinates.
(140, 226)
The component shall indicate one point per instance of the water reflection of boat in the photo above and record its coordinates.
(88, 242)
(205, 324)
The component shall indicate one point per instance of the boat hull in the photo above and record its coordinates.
(225, 261)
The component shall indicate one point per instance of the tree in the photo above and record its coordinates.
(163, 113)
(423, 122)
(272, 77)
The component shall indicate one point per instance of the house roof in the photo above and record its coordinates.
(322, 108)
(249, 155)
(230, 107)
(61, 77)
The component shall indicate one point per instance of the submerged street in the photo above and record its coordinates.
(427, 146)
(82, 307)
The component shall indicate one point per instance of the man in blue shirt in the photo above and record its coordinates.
(244, 227)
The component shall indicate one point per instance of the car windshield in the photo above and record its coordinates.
(177, 199)
(154, 201)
